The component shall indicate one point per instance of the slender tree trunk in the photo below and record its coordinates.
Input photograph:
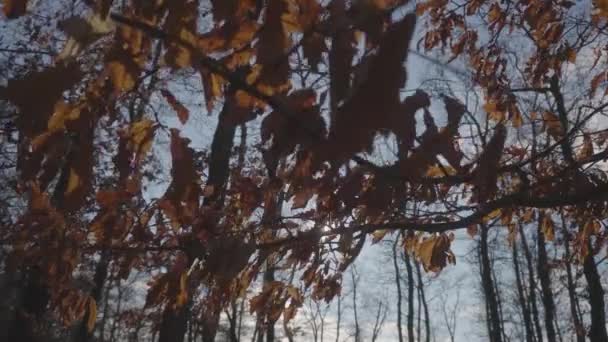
(524, 305)
(418, 315)
(544, 275)
(410, 298)
(241, 315)
(399, 295)
(493, 317)
(233, 321)
(579, 329)
(427, 320)
(339, 318)
(597, 332)
(268, 278)
(31, 307)
(117, 314)
(532, 285)
(106, 307)
(499, 302)
(355, 313)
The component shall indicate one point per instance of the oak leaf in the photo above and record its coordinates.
(434, 252)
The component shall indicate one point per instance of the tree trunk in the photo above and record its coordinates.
(268, 278)
(410, 298)
(544, 275)
(499, 302)
(355, 313)
(524, 305)
(398, 284)
(339, 319)
(493, 318)
(597, 332)
(532, 285)
(579, 329)
(173, 326)
(82, 333)
(427, 320)
(31, 307)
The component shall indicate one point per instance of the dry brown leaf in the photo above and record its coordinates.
(182, 112)
(434, 252)
(373, 103)
(14, 8)
(92, 314)
(486, 173)
(553, 125)
(587, 149)
(548, 227)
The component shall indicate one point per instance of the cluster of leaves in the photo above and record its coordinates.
(207, 231)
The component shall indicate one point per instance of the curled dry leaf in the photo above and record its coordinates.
(434, 252)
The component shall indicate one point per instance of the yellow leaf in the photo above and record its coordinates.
(92, 317)
(494, 214)
(141, 135)
(495, 13)
(63, 113)
(73, 182)
(121, 77)
(379, 235)
(436, 171)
